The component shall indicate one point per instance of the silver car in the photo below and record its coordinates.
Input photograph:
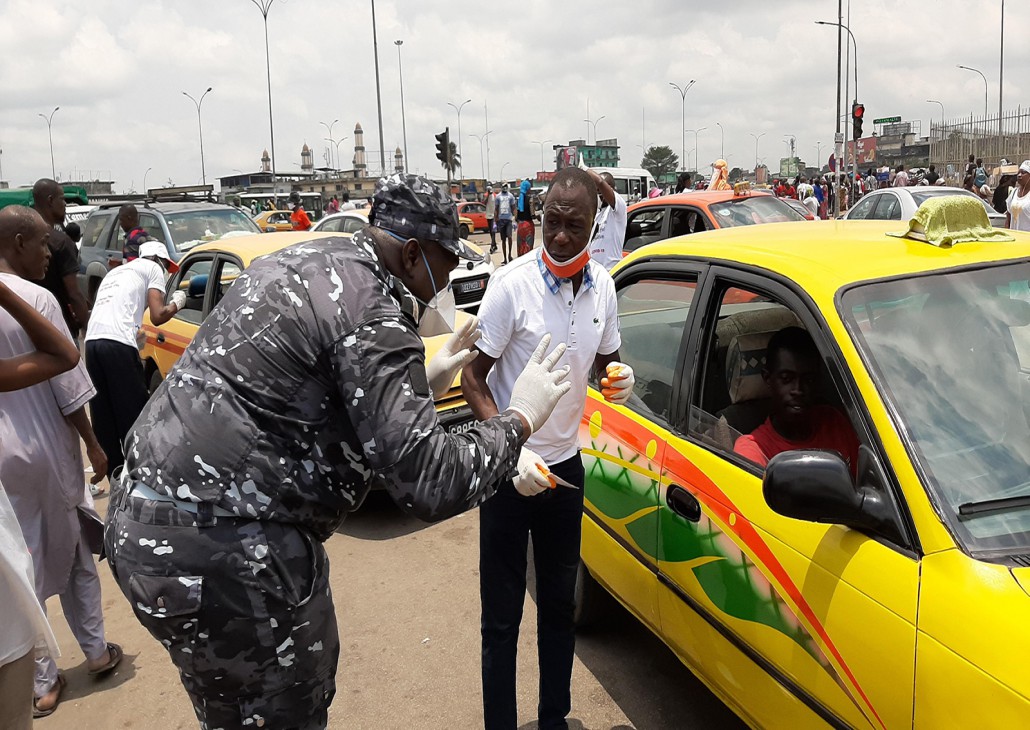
(895, 204)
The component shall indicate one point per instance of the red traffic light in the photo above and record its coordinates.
(857, 111)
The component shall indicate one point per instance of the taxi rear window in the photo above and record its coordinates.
(752, 210)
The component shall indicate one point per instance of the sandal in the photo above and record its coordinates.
(36, 712)
(115, 653)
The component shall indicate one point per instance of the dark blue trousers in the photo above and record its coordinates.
(506, 522)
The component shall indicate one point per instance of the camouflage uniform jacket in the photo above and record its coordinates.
(306, 379)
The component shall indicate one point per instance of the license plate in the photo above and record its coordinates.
(474, 285)
(461, 426)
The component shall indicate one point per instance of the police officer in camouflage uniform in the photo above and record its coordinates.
(306, 380)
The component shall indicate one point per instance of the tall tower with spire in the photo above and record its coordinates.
(360, 168)
(398, 160)
(306, 162)
(266, 162)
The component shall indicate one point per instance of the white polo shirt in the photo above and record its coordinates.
(606, 248)
(122, 299)
(525, 301)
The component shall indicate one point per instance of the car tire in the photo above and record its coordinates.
(592, 604)
(154, 381)
(463, 231)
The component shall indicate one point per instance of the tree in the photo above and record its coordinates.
(455, 159)
(736, 174)
(660, 161)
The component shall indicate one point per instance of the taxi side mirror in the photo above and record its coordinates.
(816, 486)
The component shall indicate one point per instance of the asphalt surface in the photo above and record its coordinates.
(408, 609)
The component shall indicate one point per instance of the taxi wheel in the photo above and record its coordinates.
(592, 602)
(155, 381)
(463, 232)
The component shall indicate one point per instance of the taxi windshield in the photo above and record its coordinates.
(951, 355)
(200, 226)
(751, 210)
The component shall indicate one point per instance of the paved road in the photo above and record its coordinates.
(407, 602)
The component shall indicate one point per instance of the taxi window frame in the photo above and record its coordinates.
(173, 284)
(792, 296)
(221, 259)
(668, 268)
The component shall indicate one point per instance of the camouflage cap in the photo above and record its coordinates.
(411, 205)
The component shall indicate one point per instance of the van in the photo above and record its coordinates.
(632, 183)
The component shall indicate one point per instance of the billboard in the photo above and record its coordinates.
(866, 151)
(566, 157)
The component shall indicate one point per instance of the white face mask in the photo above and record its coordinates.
(438, 315)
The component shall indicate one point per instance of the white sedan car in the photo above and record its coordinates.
(895, 204)
(469, 279)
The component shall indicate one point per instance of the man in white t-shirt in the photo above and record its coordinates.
(610, 222)
(112, 354)
(557, 290)
(504, 215)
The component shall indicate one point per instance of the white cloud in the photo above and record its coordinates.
(117, 71)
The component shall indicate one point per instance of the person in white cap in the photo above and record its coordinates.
(1018, 215)
(112, 352)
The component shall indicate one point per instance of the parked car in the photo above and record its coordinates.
(891, 592)
(181, 226)
(469, 280)
(205, 275)
(274, 220)
(667, 216)
(895, 204)
(476, 213)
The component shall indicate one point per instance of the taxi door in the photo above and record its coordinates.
(623, 446)
(167, 342)
(802, 624)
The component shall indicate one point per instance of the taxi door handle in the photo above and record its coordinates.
(160, 336)
(683, 503)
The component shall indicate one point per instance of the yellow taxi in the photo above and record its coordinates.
(886, 593)
(222, 262)
(274, 220)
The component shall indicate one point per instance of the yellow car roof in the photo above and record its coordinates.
(250, 247)
(826, 255)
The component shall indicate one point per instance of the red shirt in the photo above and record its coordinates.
(300, 219)
(830, 430)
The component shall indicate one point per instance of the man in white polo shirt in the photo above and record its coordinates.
(112, 355)
(561, 291)
(610, 222)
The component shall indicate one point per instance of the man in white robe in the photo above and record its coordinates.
(41, 462)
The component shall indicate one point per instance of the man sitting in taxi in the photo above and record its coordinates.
(792, 365)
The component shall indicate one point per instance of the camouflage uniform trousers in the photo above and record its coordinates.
(242, 606)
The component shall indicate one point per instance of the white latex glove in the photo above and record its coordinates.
(539, 387)
(529, 480)
(179, 299)
(456, 353)
(617, 387)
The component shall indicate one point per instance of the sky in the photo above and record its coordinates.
(117, 70)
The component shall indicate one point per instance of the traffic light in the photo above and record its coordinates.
(443, 147)
(857, 114)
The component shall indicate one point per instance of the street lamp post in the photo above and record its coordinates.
(379, 95)
(50, 132)
(482, 162)
(683, 120)
(594, 122)
(200, 126)
(404, 124)
(818, 155)
(757, 137)
(145, 179)
(264, 6)
(542, 143)
(461, 167)
(502, 170)
(329, 131)
(337, 143)
(970, 68)
(696, 146)
(722, 141)
(1001, 72)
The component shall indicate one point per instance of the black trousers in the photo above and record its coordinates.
(506, 522)
(117, 374)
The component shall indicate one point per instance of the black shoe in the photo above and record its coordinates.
(493, 249)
